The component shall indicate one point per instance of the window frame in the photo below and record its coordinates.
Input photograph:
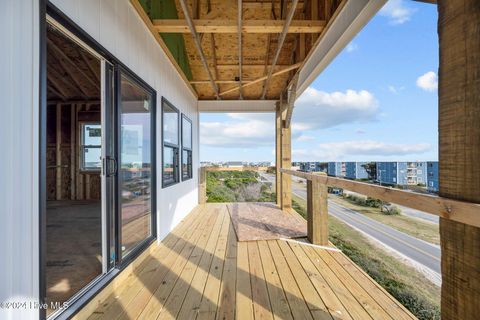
(82, 146)
(188, 150)
(119, 71)
(176, 147)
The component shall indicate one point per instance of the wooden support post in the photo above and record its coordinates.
(459, 152)
(317, 212)
(286, 161)
(278, 153)
(58, 149)
(202, 188)
(73, 125)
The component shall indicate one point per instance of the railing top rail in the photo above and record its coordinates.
(461, 211)
(245, 168)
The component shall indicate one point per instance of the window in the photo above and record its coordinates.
(170, 123)
(90, 146)
(186, 148)
(419, 171)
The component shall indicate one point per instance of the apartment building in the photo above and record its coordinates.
(432, 176)
(402, 173)
(355, 170)
(336, 169)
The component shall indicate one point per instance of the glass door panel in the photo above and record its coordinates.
(135, 164)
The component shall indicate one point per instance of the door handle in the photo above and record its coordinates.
(111, 166)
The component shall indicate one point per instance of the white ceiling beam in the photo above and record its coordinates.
(237, 105)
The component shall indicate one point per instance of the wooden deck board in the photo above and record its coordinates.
(200, 271)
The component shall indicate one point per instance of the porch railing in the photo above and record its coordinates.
(317, 202)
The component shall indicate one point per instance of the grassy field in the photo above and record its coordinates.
(405, 283)
(415, 227)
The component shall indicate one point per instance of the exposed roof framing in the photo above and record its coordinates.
(238, 49)
(281, 40)
(231, 26)
(198, 44)
(240, 55)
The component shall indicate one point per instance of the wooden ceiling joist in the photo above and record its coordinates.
(242, 49)
(64, 57)
(281, 40)
(196, 40)
(240, 55)
(232, 26)
(290, 68)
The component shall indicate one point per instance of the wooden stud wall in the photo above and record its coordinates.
(65, 181)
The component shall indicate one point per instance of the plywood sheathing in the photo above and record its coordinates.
(255, 46)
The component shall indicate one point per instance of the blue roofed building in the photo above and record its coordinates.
(355, 170)
(432, 176)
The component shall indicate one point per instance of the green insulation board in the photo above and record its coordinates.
(166, 9)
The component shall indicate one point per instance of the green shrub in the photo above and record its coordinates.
(374, 203)
(391, 210)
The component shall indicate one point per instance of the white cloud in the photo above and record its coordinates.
(241, 130)
(397, 11)
(352, 47)
(305, 138)
(320, 110)
(358, 148)
(360, 131)
(428, 81)
(394, 89)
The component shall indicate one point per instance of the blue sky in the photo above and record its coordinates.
(376, 101)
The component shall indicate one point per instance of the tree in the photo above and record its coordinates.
(371, 169)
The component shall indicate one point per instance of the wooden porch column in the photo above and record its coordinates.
(459, 152)
(283, 158)
(202, 188)
(317, 212)
(278, 153)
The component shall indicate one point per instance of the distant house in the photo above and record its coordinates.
(402, 173)
(355, 170)
(336, 169)
(432, 176)
(310, 166)
(234, 164)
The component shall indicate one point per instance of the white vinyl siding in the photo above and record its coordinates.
(19, 141)
(116, 25)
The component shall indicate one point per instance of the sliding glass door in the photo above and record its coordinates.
(136, 180)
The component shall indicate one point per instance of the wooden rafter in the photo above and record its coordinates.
(240, 54)
(214, 56)
(281, 40)
(146, 20)
(74, 77)
(291, 97)
(69, 61)
(196, 40)
(231, 26)
(292, 67)
(218, 81)
(88, 62)
(56, 89)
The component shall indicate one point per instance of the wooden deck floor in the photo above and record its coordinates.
(200, 271)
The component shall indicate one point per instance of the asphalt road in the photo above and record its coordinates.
(417, 250)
